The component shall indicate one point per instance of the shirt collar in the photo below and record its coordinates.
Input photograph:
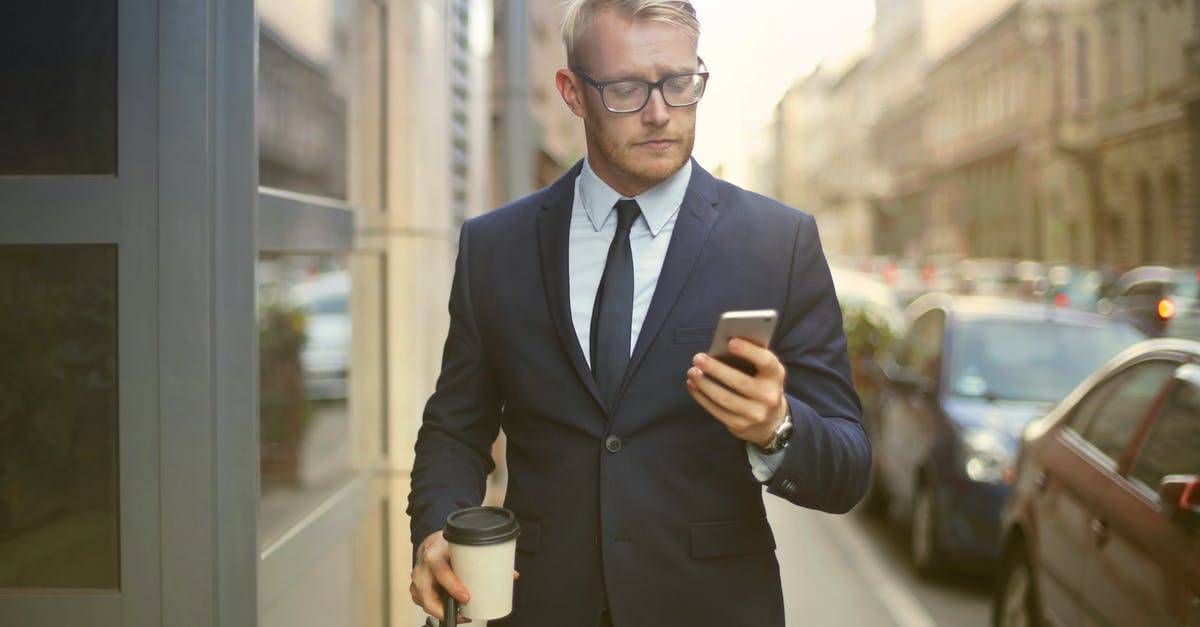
(658, 203)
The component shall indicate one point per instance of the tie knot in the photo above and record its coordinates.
(627, 212)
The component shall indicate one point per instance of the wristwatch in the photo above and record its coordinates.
(779, 440)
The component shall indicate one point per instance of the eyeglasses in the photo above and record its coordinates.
(630, 96)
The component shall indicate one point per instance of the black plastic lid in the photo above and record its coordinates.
(478, 526)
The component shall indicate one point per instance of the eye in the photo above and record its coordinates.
(679, 84)
(626, 90)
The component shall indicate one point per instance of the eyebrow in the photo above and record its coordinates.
(667, 73)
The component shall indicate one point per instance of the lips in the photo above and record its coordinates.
(658, 144)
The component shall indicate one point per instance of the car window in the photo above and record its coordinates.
(1145, 290)
(1173, 445)
(1187, 285)
(1110, 422)
(1030, 360)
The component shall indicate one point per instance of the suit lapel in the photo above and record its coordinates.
(554, 227)
(697, 215)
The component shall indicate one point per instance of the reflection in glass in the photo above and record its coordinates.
(303, 84)
(59, 113)
(304, 370)
(59, 507)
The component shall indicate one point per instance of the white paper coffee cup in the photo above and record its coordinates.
(483, 551)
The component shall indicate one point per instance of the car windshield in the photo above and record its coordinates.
(1036, 361)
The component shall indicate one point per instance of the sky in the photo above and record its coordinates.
(754, 50)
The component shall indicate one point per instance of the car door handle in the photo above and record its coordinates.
(1041, 480)
(1099, 531)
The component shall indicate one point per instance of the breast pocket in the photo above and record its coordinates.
(694, 335)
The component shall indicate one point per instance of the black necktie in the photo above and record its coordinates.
(612, 314)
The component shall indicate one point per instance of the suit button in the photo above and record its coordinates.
(612, 444)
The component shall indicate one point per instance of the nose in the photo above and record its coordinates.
(656, 112)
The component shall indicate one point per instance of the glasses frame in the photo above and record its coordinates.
(651, 86)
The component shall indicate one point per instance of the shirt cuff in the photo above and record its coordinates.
(762, 465)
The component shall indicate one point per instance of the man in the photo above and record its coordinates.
(635, 462)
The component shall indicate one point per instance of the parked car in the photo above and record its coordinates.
(1103, 523)
(1078, 287)
(1160, 300)
(327, 327)
(988, 277)
(957, 390)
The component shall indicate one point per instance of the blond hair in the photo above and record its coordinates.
(579, 13)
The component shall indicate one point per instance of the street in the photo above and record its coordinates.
(854, 570)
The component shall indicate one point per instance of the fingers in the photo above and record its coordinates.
(726, 405)
(767, 363)
(749, 406)
(763, 387)
(433, 570)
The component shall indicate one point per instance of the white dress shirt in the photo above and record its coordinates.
(593, 226)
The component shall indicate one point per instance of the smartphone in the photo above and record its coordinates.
(755, 326)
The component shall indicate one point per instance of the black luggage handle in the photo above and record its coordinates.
(449, 610)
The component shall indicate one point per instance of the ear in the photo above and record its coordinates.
(571, 90)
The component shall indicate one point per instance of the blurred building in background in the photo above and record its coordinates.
(1055, 130)
(976, 127)
(826, 161)
(535, 136)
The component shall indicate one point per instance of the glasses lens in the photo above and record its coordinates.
(625, 95)
(685, 90)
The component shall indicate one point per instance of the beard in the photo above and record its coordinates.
(649, 167)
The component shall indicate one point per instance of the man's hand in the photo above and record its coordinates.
(751, 407)
(433, 570)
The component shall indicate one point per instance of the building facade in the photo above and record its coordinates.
(979, 122)
(1059, 131)
(246, 262)
(536, 136)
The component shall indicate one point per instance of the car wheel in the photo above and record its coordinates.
(1015, 603)
(923, 537)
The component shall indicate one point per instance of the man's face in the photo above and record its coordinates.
(635, 151)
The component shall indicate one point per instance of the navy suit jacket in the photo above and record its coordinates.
(668, 528)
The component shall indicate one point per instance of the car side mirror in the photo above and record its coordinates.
(1180, 496)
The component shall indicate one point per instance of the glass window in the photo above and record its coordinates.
(1108, 426)
(304, 84)
(1030, 361)
(1173, 446)
(59, 112)
(304, 385)
(59, 483)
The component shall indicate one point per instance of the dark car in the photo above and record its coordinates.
(1161, 301)
(956, 392)
(1103, 523)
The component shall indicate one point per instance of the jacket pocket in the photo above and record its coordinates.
(530, 538)
(694, 335)
(731, 538)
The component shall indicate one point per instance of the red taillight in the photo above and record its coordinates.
(1062, 300)
(928, 274)
(1166, 309)
(891, 275)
